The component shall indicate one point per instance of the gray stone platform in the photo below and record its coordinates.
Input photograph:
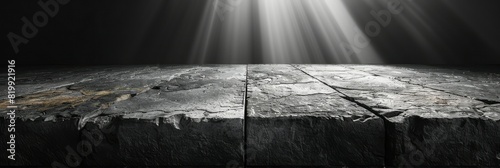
(256, 115)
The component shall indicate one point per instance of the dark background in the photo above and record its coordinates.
(92, 32)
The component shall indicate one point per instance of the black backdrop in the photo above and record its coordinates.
(90, 32)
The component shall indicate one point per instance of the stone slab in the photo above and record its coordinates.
(294, 120)
(426, 126)
(147, 115)
(261, 115)
(475, 82)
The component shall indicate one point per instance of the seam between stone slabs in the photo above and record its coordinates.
(345, 96)
(485, 101)
(387, 156)
(390, 154)
(245, 104)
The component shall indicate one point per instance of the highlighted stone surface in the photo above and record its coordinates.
(155, 115)
(293, 119)
(427, 125)
(258, 115)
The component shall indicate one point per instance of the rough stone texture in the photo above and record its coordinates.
(160, 115)
(480, 83)
(427, 125)
(293, 119)
(261, 115)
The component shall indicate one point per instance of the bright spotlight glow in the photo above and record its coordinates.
(281, 31)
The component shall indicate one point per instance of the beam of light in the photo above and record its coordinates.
(280, 31)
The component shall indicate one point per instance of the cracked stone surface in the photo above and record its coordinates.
(480, 83)
(258, 115)
(294, 119)
(426, 126)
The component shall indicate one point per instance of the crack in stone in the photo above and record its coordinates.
(345, 96)
(245, 113)
(488, 102)
(387, 123)
(485, 101)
